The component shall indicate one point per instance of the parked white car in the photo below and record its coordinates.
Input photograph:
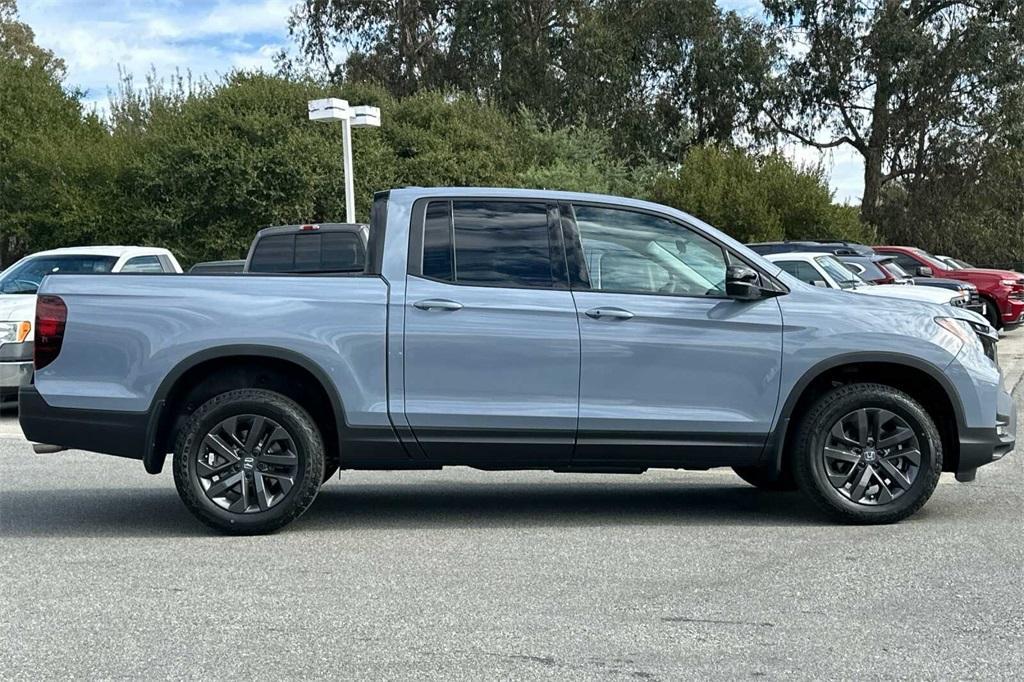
(19, 282)
(825, 270)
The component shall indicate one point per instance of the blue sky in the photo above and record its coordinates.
(212, 37)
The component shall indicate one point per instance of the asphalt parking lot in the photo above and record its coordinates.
(463, 574)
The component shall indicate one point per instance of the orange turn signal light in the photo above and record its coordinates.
(23, 329)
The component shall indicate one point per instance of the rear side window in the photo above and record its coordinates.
(802, 271)
(143, 264)
(488, 243)
(315, 252)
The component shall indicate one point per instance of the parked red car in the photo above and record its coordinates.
(1003, 290)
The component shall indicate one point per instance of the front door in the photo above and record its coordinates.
(673, 371)
(491, 338)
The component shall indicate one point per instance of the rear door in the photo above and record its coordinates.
(491, 342)
(673, 371)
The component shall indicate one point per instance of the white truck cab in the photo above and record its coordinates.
(19, 282)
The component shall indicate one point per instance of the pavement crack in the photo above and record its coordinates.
(716, 621)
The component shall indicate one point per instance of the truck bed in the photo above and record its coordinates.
(126, 334)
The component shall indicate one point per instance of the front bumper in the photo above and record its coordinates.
(15, 367)
(13, 375)
(1014, 314)
(979, 447)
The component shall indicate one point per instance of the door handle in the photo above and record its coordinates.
(609, 314)
(437, 304)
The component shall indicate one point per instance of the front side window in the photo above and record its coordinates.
(488, 243)
(631, 252)
(24, 277)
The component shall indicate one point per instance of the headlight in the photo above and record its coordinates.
(1011, 282)
(14, 332)
(960, 329)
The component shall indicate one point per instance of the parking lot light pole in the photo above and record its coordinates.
(334, 109)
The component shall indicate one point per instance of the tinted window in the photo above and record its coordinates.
(906, 262)
(801, 270)
(632, 252)
(275, 253)
(437, 242)
(502, 243)
(143, 264)
(24, 277)
(342, 252)
(309, 252)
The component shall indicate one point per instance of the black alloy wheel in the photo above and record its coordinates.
(871, 456)
(247, 463)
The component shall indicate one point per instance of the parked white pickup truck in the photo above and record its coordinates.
(18, 285)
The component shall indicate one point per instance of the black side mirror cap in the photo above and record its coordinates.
(743, 283)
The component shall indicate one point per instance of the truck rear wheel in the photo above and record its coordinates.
(248, 461)
(867, 453)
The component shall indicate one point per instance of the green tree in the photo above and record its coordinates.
(659, 74)
(757, 198)
(892, 78)
(46, 143)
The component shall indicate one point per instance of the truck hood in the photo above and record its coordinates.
(984, 272)
(17, 307)
(912, 293)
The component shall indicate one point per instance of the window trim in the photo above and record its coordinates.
(556, 243)
(577, 283)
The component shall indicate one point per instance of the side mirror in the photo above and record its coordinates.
(741, 283)
(820, 283)
(924, 271)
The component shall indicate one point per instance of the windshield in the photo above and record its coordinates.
(24, 277)
(843, 276)
(895, 270)
(933, 262)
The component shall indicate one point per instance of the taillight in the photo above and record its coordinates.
(51, 317)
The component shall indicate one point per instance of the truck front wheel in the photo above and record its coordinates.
(867, 453)
(248, 461)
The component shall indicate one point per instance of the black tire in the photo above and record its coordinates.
(992, 314)
(762, 479)
(812, 473)
(305, 450)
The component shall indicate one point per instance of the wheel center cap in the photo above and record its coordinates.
(248, 463)
(870, 455)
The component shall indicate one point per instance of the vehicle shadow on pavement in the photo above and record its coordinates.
(130, 512)
(475, 505)
(96, 512)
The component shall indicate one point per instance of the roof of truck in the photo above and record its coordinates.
(113, 251)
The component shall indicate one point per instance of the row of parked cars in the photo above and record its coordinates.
(998, 295)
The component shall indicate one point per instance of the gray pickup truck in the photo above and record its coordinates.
(517, 329)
